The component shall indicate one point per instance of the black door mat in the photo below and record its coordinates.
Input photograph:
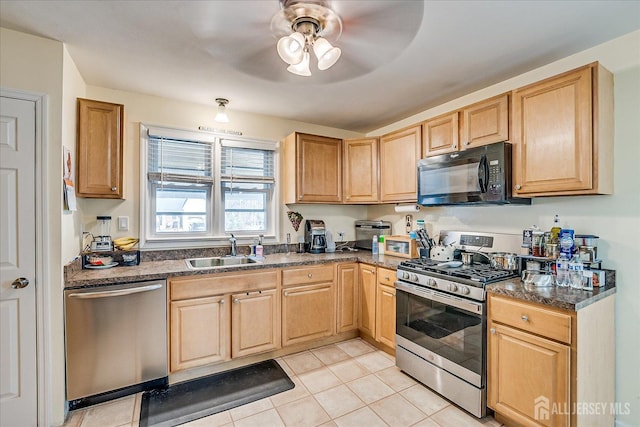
(190, 400)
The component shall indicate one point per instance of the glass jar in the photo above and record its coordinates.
(537, 243)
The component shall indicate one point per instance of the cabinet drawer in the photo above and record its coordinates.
(306, 275)
(386, 277)
(218, 284)
(531, 318)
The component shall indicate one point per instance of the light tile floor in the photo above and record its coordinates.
(345, 384)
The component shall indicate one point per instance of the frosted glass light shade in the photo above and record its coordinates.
(301, 69)
(221, 115)
(327, 54)
(291, 48)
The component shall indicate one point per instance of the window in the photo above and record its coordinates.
(198, 186)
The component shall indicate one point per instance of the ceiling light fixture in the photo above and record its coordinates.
(304, 26)
(221, 115)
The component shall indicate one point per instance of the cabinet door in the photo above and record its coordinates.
(399, 155)
(527, 377)
(308, 312)
(485, 122)
(367, 309)
(552, 135)
(347, 297)
(360, 170)
(255, 322)
(441, 135)
(386, 315)
(199, 332)
(318, 169)
(100, 129)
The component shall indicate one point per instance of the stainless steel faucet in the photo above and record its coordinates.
(234, 250)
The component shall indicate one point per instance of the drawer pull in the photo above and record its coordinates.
(492, 330)
(221, 301)
(525, 318)
(386, 278)
(309, 275)
(236, 300)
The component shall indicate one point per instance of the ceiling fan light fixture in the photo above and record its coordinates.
(302, 25)
(291, 48)
(327, 54)
(302, 68)
(221, 115)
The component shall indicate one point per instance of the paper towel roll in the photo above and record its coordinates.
(407, 208)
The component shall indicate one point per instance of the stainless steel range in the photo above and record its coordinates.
(441, 321)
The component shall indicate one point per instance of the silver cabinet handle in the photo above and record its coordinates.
(525, 318)
(236, 300)
(309, 275)
(221, 301)
(518, 186)
(120, 292)
(20, 282)
(114, 188)
(492, 330)
(467, 143)
(348, 197)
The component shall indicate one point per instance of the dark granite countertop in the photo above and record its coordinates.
(164, 269)
(553, 296)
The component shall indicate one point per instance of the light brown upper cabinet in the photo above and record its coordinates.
(99, 148)
(311, 169)
(360, 170)
(441, 135)
(399, 155)
(563, 134)
(479, 124)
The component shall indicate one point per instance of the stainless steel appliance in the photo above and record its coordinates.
(365, 230)
(441, 321)
(480, 175)
(115, 341)
(315, 236)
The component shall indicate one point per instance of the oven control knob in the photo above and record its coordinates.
(432, 283)
(414, 277)
(405, 275)
(465, 290)
(453, 287)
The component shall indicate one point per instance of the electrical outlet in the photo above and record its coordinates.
(340, 236)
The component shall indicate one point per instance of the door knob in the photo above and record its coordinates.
(20, 282)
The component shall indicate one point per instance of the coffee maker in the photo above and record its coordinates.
(315, 241)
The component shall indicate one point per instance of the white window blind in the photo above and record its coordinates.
(241, 164)
(173, 160)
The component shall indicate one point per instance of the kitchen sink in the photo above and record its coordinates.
(221, 261)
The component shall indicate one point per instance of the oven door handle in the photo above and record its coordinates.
(470, 306)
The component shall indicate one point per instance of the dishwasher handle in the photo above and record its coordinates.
(119, 292)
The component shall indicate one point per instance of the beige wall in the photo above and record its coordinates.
(172, 113)
(36, 65)
(615, 218)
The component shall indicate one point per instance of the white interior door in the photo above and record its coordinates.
(18, 386)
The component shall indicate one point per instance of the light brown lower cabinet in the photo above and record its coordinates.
(347, 298)
(548, 366)
(199, 332)
(367, 303)
(255, 322)
(386, 315)
(308, 312)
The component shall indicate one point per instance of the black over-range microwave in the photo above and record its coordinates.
(479, 175)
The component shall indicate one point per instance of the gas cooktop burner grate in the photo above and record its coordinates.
(482, 273)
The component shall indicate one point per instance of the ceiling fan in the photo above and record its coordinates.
(348, 38)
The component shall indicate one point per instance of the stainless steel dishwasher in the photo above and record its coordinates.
(115, 340)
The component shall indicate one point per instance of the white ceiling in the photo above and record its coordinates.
(398, 57)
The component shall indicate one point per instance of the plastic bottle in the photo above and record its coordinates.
(381, 244)
(562, 271)
(374, 245)
(555, 230)
(575, 272)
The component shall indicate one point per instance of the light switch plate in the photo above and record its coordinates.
(123, 223)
